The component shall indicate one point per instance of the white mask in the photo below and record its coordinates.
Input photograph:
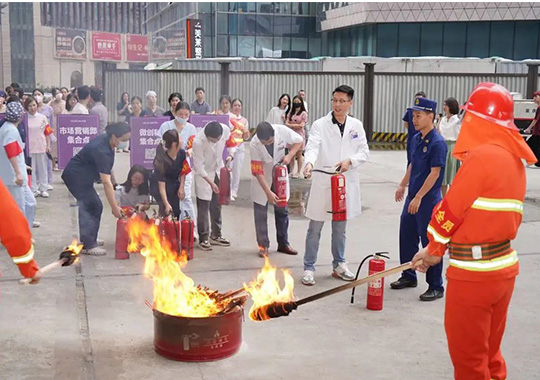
(181, 120)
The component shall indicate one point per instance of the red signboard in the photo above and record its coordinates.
(136, 48)
(106, 47)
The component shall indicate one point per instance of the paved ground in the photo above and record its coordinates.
(91, 322)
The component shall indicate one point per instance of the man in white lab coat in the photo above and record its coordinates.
(336, 141)
(267, 148)
(208, 147)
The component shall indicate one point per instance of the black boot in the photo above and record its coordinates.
(403, 283)
(431, 295)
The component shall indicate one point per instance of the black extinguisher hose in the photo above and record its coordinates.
(380, 254)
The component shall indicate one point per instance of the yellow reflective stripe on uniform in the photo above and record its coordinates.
(490, 204)
(438, 238)
(29, 256)
(487, 265)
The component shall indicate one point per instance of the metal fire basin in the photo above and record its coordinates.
(198, 339)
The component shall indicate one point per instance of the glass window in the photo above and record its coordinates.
(264, 25)
(478, 39)
(233, 24)
(409, 40)
(387, 38)
(264, 47)
(454, 36)
(233, 48)
(233, 7)
(223, 7)
(502, 39)
(283, 45)
(283, 8)
(208, 24)
(205, 7)
(247, 24)
(314, 47)
(299, 26)
(431, 37)
(300, 8)
(265, 7)
(222, 46)
(299, 47)
(526, 40)
(222, 23)
(247, 7)
(282, 25)
(208, 48)
(246, 46)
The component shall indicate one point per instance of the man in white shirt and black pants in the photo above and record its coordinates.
(267, 149)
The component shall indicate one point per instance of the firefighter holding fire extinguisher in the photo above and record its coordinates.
(270, 181)
(476, 221)
(337, 142)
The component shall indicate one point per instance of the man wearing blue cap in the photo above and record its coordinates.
(424, 177)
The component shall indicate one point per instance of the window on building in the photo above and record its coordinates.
(431, 37)
(247, 24)
(283, 8)
(526, 40)
(409, 40)
(387, 40)
(205, 7)
(282, 25)
(222, 46)
(299, 26)
(299, 48)
(454, 37)
(222, 23)
(208, 47)
(233, 24)
(263, 47)
(246, 46)
(21, 29)
(265, 7)
(478, 39)
(502, 39)
(314, 47)
(300, 8)
(233, 47)
(283, 45)
(264, 25)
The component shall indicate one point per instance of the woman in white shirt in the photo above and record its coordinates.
(277, 113)
(448, 127)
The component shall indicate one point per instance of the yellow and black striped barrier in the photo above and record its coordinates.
(389, 137)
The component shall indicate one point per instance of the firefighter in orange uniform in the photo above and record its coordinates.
(16, 237)
(476, 221)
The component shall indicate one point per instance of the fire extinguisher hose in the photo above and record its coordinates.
(379, 254)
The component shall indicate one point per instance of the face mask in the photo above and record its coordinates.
(296, 105)
(38, 98)
(58, 96)
(181, 120)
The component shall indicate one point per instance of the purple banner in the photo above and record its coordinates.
(144, 139)
(74, 132)
(200, 121)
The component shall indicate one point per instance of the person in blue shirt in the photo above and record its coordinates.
(94, 162)
(409, 126)
(424, 177)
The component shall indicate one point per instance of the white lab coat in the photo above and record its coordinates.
(325, 149)
(208, 161)
(282, 136)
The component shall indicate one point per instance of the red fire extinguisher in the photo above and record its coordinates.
(281, 182)
(375, 290)
(170, 230)
(187, 227)
(122, 237)
(224, 186)
(339, 200)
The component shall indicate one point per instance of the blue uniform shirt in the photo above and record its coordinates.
(411, 132)
(426, 153)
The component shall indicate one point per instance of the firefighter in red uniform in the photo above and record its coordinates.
(16, 237)
(476, 221)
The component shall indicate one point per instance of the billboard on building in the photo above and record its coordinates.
(194, 33)
(136, 48)
(168, 44)
(106, 46)
(70, 44)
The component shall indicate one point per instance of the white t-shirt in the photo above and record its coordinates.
(276, 116)
(449, 127)
(79, 109)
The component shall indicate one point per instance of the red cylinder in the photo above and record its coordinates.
(170, 230)
(187, 227)
(224, 186)
(281, 181)
(339, 200)
(122, 240)
(375, 292)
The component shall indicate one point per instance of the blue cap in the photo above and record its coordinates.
(424, 104)
(2, 94)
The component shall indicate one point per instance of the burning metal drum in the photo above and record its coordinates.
(198, 339)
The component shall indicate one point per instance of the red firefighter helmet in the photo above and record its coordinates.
(492, 102)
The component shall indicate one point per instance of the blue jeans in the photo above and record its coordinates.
(312, 243)
(281, 215)
(412, 231)
(26, 201)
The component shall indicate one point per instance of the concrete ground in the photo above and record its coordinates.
(90, 321)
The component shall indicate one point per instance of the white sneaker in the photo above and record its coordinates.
(343, 272)
(308, 278)
(44, 194)
(100, 242)
(50, 187)
(36, 224)
(37, 193)
(233, 197)
(96, 251)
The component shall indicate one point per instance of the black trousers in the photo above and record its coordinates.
(205, 209)
(534, 144)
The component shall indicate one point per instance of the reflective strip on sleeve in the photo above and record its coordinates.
(491, 204)
(436, 236)
(487, 265)
(25, 259)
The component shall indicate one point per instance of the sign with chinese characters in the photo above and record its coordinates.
(168, 44)
(136, 48)
(144, 139)
(74, 132)
(199, 121)
(70, 44)
(194, 38)
(106, 46)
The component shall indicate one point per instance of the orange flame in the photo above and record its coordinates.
(266, 290)
(174, 292)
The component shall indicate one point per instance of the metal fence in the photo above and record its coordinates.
(259, 91)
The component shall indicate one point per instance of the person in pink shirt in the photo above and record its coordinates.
(39, 141)
(296, 119)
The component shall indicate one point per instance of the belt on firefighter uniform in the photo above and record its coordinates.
(482, 257)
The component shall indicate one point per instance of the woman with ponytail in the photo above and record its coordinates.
(170, 169)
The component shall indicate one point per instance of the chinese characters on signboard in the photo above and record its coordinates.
(70, 44)
(106, 46)
(74, 132)
(144, 139)
(195, 38)
(136, 48)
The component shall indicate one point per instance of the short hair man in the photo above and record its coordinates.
(81, 108)
(152, 109)
(98, 108)
(199, 105)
